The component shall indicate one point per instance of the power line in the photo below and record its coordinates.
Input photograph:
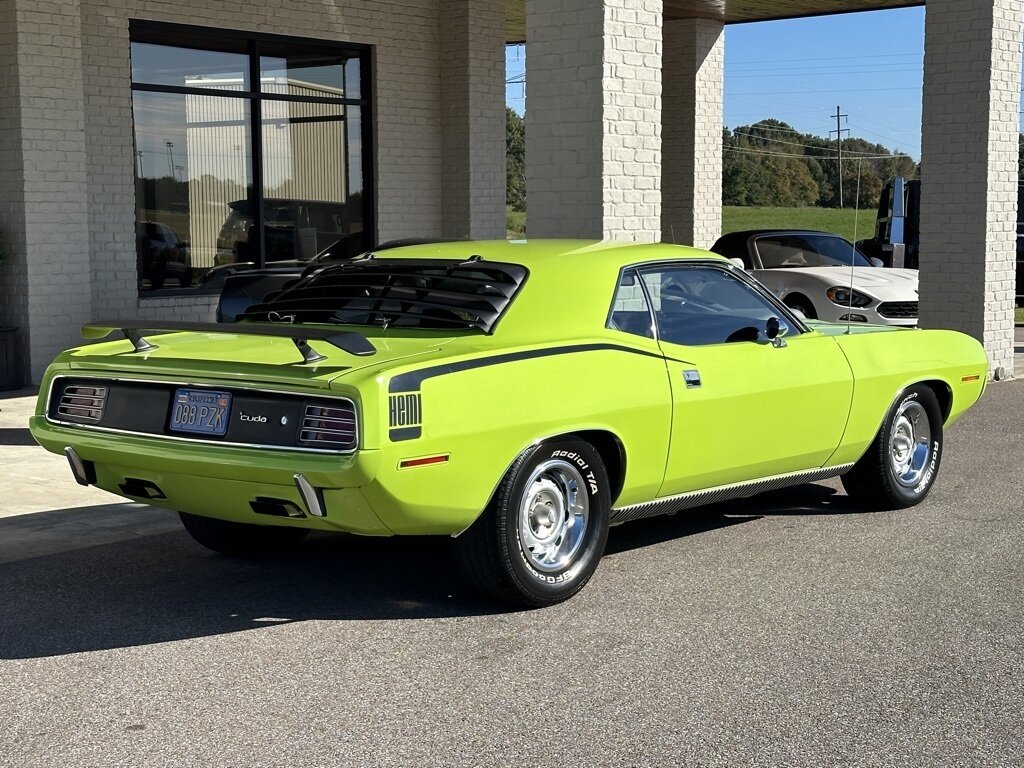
(797, 144)
(830, 90)
(749, 151)
(754, 62)
(785, 73)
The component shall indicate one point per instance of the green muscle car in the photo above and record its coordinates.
(519, 397)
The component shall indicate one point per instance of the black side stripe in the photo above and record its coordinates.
(411, 382)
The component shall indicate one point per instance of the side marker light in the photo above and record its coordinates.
(424, 461)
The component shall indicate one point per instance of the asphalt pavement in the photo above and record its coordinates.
(789, 629)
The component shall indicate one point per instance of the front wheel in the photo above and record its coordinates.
(540, 539)
(241, 539)
(803, 306)
(902, 463)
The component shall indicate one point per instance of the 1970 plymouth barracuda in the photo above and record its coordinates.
(519, 397)
(812, 273)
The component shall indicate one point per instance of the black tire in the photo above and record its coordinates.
(802, 304)
(241, 539)
(889, 477)
(493, 554)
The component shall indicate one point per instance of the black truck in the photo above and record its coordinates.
(897, 239)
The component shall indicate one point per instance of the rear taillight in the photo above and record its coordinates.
(82, 403)
(330, 427)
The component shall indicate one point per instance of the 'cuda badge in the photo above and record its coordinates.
(256, 419)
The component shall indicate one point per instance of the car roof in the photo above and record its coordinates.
(571, 283)
(546, 254)
(747, 233)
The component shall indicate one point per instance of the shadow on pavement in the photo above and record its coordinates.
(16, 436)
(163, 586)
(802, 500)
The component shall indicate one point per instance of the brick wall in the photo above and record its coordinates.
(691, 171)
(75, 78)
(14, 269)
(969, 170)
(473, 111)
(593, 96)
(53, 148)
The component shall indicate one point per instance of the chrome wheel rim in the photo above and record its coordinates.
(910, 443)
(553, 516)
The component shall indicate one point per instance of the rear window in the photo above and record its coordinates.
(400, 293)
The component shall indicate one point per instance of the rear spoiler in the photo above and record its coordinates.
(347, 341)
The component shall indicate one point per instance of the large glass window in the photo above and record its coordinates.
(247, 149)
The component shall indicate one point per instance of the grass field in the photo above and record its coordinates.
(736, 218)
(841, 222)
(515, 223)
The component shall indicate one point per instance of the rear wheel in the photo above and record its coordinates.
(542, 536)
(902, 463)
(241, 539)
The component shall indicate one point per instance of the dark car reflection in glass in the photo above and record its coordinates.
(294, 230)
(164, 256)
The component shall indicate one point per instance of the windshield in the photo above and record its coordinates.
(807, 250)
(440, 294)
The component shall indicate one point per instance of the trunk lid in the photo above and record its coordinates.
(242, 358)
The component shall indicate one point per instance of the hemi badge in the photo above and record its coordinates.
(424, 461)
(975, 377)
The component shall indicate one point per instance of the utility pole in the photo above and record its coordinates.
(839, 131)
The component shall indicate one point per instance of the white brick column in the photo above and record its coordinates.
(972, 69)
(473, 118)
(691, 118)
(593, 119)
(14, 269)
(51, 255)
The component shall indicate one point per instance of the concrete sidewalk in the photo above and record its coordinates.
(49, 512)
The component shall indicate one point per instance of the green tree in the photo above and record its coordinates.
(770, 163)
(515, 160)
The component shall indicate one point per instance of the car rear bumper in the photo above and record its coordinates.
(238, 484)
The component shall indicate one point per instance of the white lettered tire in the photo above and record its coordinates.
(900, 467)
(542, 536)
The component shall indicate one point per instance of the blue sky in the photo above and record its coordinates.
(798, 71)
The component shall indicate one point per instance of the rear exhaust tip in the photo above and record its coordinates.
(141, 489)
(311, 496)
(84, 471)
(265, 505)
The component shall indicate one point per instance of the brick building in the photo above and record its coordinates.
(144, 142)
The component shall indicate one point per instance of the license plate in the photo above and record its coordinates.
(200, 411)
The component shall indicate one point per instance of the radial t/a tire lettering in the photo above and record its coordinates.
(540, 539)
(900, 467)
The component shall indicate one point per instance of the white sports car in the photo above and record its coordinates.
(811, 272)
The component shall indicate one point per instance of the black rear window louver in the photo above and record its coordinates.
(407, 293)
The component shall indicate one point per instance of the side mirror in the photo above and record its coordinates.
(875, 262)
(738, 262)
(775, 329)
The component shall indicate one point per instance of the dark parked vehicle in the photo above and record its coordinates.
(294, 230)
(164, 256)
(897, 237)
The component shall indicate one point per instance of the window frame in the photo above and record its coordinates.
(249, 44)
(785, 313)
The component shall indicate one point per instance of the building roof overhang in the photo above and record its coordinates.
(733, 11)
